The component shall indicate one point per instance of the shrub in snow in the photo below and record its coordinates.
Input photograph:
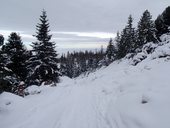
(104, 62)
(129, 55)
(161, 51)
(48, 83)
(165, 37)
(152, 51)
(32, 90)
(149, 48)
(8, 84)
(138, 58)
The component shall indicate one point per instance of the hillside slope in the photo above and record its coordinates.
(118, 96)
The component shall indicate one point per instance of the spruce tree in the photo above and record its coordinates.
(127, 40)
(62, 62)
(110, 51)
(16, 54)
(146, 30)
(43, 65)
(161, 27)
(166, 16)
(122, 46)
(69, 65)
(1, 40)
(117, 39)
(11, 64)
(3, 71)
(162, 22)
(130, 36)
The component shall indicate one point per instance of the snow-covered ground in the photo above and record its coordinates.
(118, 96)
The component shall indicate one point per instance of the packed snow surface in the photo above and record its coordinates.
(117, 96)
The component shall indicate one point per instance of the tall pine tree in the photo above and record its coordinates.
(110, 51)
(127, 41)
(16, 54)
(162, 22)
(43, 65)
(166, 16)
(11, 63)
(1, 40)
(146, 30)
(4, 85)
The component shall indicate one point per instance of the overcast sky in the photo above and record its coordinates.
(74, 22)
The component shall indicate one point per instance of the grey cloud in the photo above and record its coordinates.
(76, 15)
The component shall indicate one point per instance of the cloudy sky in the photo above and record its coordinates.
(75, 23)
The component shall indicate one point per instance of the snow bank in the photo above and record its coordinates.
(143, 101)
(8, 101)
(32, 90)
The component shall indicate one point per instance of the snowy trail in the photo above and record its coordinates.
(75, 106)
(81, 112)
(80, 103)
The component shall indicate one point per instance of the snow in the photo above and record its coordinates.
(32, 90)
(118, 96)
(149, 84)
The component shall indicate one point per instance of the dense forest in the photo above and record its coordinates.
(20, 68)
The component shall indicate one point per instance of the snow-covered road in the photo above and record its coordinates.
(66, 106)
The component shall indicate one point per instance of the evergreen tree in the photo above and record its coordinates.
(62, 62)
(75, 68)
(101, 50)
(162, 22)
(166, 16)
(110, 51)
(69, 65)
(131, 36)
(7, 78)
(117, 42)
(117, 39)
(1, 40)
(146, 30)
(16, 53)
(127, 40)
(3, 71)
(161, 27)
(122, 46)
(43, 65)
(83, 64)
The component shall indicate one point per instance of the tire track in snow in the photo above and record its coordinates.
(82, 110)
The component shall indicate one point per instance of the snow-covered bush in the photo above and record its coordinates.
(138, 58)
(165, 38)
(149, 48)
(32, 90)
(130, 55)
(161, 51)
